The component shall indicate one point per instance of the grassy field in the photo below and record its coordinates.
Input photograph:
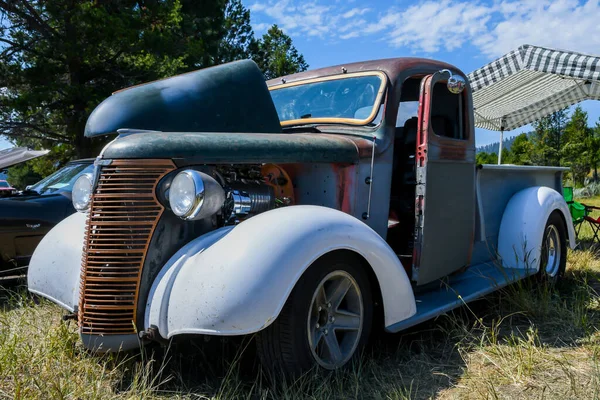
(525, 342)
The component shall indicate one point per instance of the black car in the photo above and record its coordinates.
(28, 215)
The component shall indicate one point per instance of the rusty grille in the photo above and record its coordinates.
(123, 214)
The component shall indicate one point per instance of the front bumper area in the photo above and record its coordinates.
(110, 343)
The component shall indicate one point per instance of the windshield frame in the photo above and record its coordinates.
(337, 120)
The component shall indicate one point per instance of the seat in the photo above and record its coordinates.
(594, 224)
(580, 213)
(402, 196)
(409, 150)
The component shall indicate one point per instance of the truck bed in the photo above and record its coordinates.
(495, 185)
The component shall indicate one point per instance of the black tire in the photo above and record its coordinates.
(283, 347)
(552, 273)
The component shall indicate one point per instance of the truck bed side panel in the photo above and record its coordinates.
(496, 184)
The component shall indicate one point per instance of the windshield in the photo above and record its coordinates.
(4, 184)
(63, 179)
(348, 99)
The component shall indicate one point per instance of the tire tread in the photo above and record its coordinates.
(278, 345)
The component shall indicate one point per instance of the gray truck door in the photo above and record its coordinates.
(445, 192)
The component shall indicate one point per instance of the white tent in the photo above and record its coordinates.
(529, 83)
(16, 155)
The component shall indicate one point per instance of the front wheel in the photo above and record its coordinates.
(553, 260)
(325, 322)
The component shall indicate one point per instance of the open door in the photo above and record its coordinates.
(445, 191)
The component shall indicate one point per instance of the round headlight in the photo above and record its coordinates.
(82, 192)
(186, 194)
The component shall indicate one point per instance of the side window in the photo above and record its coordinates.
(406, 111)
(447, 113)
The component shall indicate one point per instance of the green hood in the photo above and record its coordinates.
(231, 97)
(187, 148)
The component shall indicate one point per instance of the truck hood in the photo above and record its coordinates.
(231, 97)
(17, 155)
(187, 148)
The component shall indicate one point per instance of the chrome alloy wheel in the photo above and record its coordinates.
(335, 320)
(553, 251)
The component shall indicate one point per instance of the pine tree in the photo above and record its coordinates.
(594, 146)
(547, 139)
(577, 151)
(60, 58)
(521, 150)
(276, 55)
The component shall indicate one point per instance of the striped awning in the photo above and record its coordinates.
(530, 83)
(16, 155)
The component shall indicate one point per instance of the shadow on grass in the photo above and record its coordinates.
(419, 363)
(14, 294)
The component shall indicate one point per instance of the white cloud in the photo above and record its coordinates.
(349, 35)
(562, 24)
(432, 25)
(304, 18)
(260, 28)
(494, 28)
(257, 7)
(354, 12)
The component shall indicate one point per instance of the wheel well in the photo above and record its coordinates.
(378, 316)
(564, 221)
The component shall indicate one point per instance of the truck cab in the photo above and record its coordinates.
(422, 131)
(292, 210)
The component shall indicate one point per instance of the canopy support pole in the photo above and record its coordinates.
(502, 123)
(500, 150)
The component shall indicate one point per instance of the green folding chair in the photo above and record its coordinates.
(580, 213)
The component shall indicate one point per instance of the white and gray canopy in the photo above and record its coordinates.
(16, 155)
(530, 83)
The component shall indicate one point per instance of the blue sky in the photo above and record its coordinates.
(464, 33)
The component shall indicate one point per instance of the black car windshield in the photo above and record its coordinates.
(63, 179)
(351, 99)
(4, 184)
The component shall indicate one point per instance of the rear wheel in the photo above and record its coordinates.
(553, 260)
(325, 322)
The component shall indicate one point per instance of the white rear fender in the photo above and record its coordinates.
(235, 280)
(523, 223)
(55, 265)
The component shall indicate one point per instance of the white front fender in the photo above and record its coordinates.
(55, 265)
(235, 280)
(523, 223)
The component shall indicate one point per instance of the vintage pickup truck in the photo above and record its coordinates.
(299, 210)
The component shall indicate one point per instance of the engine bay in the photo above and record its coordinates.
(253, 189)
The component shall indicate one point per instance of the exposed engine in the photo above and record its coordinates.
(253, 189)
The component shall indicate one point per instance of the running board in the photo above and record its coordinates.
(475, 282)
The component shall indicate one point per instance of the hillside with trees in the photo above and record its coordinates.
(557, 140)
(494, 147)
(60, 58)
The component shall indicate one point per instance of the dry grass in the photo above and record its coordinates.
(526, 342)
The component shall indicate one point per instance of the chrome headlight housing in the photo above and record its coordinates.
(194, 195)
(81, 195)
